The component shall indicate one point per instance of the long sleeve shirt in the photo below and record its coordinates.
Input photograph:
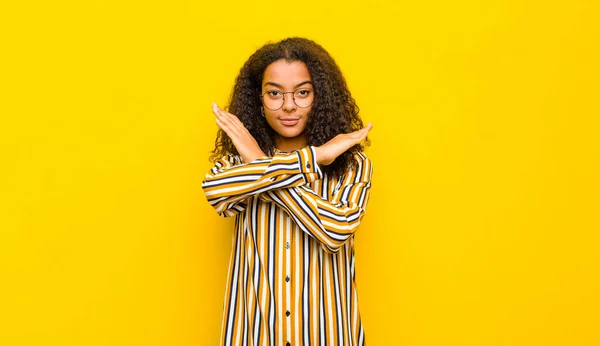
(291, 277)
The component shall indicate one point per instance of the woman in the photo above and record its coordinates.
(290, 166)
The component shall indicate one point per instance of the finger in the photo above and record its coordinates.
(233, 127)
(226, 121)
(361, 134)
(365, 131)
(233, 118)
(227, 117)
(223, 121)
(217, 112)
(234, 132)
(224, 127)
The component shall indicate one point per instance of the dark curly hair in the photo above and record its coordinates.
(333, 111)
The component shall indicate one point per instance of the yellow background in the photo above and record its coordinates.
(483, 227)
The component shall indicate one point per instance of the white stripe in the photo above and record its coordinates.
(288, 291)
(238, 169)
(315, 298)
(280, 314)
(283, 166)
(338, 300)
(298, 258)
(231, 180)
(233, 293)
(251, 186)
(336, 226)
(321, 300)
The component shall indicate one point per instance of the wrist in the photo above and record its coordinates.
(318, 154)
(254, 156)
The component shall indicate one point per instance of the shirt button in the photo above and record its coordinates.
(288, 344)
(287, 313)
(308, 165)
(287, 279)
(287, 245)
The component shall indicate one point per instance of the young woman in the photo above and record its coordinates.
(290, 166)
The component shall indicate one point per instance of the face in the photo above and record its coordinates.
(289, 121)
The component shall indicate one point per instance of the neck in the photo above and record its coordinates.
(290, 144)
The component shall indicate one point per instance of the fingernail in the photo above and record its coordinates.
(215, 106)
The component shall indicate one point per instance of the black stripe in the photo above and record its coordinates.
(257, 265)
(272, 240)
(275, 185)
(322, 314)
(306, 290)
(302, 205)
(338, 307)
(300, 224)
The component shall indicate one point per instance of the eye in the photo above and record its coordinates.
(274, 93)
(303, 92)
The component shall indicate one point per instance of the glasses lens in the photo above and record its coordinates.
(273, 99)
(304, 97)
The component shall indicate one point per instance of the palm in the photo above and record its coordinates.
(241, 138)
(328, 152)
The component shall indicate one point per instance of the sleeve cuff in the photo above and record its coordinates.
(308, 164)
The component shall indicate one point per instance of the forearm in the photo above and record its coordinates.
(227, 184)
(331, 223)
(334, 219)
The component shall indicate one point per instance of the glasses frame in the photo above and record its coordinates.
(283, 99)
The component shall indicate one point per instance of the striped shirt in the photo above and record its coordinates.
(291, 278)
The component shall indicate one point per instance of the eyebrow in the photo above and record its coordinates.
(281, 86)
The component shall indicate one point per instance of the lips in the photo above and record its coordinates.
(289, 122)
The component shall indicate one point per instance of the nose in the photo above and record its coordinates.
(288, 104)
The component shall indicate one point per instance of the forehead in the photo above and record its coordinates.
(285, 73)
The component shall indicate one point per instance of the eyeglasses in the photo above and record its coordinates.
(274, 99)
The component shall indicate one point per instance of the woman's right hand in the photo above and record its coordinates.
(241, 138)
(328, 152)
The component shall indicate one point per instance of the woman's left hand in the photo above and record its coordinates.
(243, 141)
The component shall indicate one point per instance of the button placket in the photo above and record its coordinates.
(288, 265)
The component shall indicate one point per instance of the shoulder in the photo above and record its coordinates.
(361, 157)
(361, 160)
(360, 168)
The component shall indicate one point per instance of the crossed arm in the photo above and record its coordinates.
(230, 182)
(282, 179)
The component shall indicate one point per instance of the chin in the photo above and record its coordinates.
(290, 133)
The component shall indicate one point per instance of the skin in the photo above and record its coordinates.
(285, 76)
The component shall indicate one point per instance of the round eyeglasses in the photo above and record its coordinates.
(274, 99)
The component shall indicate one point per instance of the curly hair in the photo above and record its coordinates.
(333, 111)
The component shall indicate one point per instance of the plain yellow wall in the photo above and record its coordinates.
(483, 226)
